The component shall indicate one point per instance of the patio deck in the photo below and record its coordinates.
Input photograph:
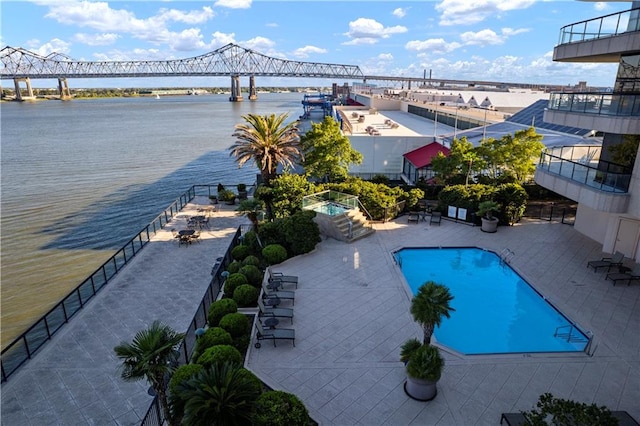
(351, 316)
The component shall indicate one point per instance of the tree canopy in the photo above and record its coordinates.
(268, 141)
(327, 152)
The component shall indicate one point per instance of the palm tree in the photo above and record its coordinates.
(429, 305)
(150, 356)
(224, 394)
(267, 141)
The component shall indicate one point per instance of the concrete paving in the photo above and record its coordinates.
(351, 316)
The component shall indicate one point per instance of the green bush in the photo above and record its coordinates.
(219, 309)
(513, 199)
(250, 239)
(301, 232)
(220, 354)
(234, 267)
(271, 233)
(233, 281)
(239, 252)
(212, 337)
(183, 373)
(246, 295)
(236, 324)
(276, 408)
(251, 260)
(274, 254)
(253, 274)
(557, 411)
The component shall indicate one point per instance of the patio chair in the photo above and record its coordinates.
(607, 262)
(633, 274)
(280, 294)
(413, 217)
(435, 219)
(274, 334)
(280, 277)
(514, 419)
(275, 312)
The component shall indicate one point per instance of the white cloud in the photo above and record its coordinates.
(466, 12)
(219, 39)
(191, 17)
(234, 4)
(304, 52)
(55, 45)
(399, 12)
(189, 39)
(600, 5)
(489, 37)
(385, 57)
(370, 31)
(259, 44)
(104, 39)
(434, 45)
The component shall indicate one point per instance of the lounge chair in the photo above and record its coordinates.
(607, 262)
(413, 217)
(436, 218)
(514, 419)
(275, 312)
(274, 334)
(633, 274)
(281, 278)
(280, 294)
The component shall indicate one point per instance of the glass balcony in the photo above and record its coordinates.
(598, 103)
(601, 27)
(582, 164)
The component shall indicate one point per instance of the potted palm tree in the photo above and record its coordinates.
(424, 363)
(151, 355)
(486, 210)
(242, 191)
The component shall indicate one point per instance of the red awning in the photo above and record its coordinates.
(421, 157)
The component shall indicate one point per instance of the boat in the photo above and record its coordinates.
(157, 96)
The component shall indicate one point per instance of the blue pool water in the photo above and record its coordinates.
(331, 209)
(496, 311)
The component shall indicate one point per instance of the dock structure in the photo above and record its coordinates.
(320, 102)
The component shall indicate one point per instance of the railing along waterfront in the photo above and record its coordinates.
(582, 164)
(598, 103)
(601, 27)
(28, 343)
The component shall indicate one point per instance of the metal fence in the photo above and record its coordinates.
(26, 345)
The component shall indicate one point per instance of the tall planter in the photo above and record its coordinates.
(423, 372)
(420, 389)
(489, 224)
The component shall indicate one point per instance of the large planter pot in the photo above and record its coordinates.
(489, 225)
(420, 389)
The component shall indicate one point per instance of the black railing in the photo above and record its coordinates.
(601, 27)
(597, 103)
(155, 412)
(25, 345)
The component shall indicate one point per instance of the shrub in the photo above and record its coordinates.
(239, 252)
(234, 267)
(212, 337)
(253, 274)
(236, 324)
(251, 240)
(233, 281)
(246, 295)
(566, 412)
(251, 260)
(301, 232)
(220, 354)
(275, 408)
(274, 254)
(183, 373)
(513, 199)
(219, 309)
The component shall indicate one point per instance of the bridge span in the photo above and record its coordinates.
(233, 61)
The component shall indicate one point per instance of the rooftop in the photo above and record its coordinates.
(351, 316)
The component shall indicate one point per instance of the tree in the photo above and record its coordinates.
(461, 161)
(327, 152)
(223, 394)
(150, 356)
(429, 306)
(562, 412)
(515, 153)
(288, 190)
(268, 142)
(625, 153)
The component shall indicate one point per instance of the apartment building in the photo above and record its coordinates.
(604, 180)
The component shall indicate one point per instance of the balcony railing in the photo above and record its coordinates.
(598, 103)
(582, 164)
(601, 27)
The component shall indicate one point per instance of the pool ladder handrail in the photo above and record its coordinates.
(506, 255)
(570, 337)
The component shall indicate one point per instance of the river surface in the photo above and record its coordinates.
(80, 178)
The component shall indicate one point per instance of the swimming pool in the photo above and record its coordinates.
(496, 311)
(331, 209)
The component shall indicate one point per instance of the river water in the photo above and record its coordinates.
(80, 178)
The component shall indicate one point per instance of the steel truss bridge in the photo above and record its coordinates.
(231, 60)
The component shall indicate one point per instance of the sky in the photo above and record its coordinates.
(493, 40)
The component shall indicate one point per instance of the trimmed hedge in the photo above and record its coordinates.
(234, 281)
(274, 254)
(220, 354)
(236, 324)
(212, 337)
(219, 309)
(276, 408)
(253, 274)
(246, 295)
(239, 252)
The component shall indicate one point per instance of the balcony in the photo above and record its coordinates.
(608, 112)
(577, 172)
(602, 39)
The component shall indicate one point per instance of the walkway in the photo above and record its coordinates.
(351, 316)
(74, 380)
